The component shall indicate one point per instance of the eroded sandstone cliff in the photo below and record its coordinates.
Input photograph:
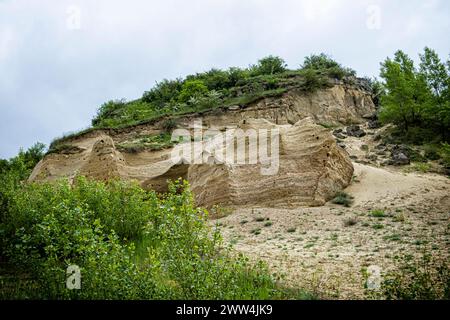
(312, 168)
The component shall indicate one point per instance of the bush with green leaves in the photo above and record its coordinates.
(128, 243)
(313, 80)
(192, 89)
(326, 65)
(163, 93)
(445, 154)
(423, 278)
(108, 110)
(268, 66)
(343, 198)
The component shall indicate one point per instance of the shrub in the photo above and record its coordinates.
(445, 154)
(325, 64)
(174, 253)
(432, 152)
(192, 89)
(420, 167)
(313, 80)
(378, 213)
(268, 66)
(343, 198)
(214, 79)
(107, 110)
(169, 124)
(164, 92)
(236, 75)
(423, 278)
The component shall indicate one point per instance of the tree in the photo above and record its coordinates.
(407, 92)
(269, 65)
(25, 161)
(434, 71)
(437, 78)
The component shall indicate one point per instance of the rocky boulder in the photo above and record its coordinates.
(399, 156)
(355, 131)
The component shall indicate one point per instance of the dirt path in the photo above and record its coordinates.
(324, 249)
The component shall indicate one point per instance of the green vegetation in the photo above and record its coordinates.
(378, 213)
(377, 226)
(419, 167)
(343, 198)
(268, 66)
(417, 100)
(128, 243)
(323, 63)
(256, 231)
(215, 88)
(152, 142)
(423, 278)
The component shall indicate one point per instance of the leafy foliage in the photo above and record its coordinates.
(416, 98)
(153, 142)
(325, 64)
(216, 88)
(424, 278)
(165, 92)
(268, 66)
(192, 89)
(128, 243)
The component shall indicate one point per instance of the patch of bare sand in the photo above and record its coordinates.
(317, 249)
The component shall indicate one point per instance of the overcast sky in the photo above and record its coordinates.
(60, 60)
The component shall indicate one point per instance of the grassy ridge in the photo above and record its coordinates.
(215, 89)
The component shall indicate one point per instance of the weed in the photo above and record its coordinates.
(343, 198)
(378, 213)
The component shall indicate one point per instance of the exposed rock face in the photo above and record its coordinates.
(340, 104)
(337, 105)
(311, 169)
(104, 161)
(311, 166)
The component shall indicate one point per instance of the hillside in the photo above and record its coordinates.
(140, 150)
(254, 183)
(318, 245)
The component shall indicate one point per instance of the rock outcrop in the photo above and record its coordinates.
(310, 167)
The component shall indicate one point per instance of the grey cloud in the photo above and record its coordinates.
(54, 78)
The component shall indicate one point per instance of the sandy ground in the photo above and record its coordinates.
(316, 249)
